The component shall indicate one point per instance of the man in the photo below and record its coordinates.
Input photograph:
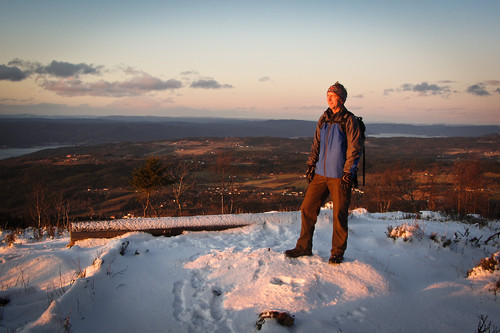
(332, 165)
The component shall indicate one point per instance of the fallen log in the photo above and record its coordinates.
(165, 226)
(167, 232)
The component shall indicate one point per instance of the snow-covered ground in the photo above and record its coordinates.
(221, 281)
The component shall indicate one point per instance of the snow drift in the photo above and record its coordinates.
(221, 281)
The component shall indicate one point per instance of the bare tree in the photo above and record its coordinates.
(394, 188)
(38, 205)
(379, 193)
(470, 182)
(183, 181)
(401, 182)
(62, 207)
(431, 190)
(224, 168)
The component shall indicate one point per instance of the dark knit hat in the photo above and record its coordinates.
(339, 90)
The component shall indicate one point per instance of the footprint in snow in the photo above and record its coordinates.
(357, 315)
(285, 280)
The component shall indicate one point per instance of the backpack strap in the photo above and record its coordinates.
(342, 121)
(362, 128)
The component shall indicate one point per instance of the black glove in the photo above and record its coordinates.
(310, 173)
(346, 181)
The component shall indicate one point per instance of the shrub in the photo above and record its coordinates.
(488, 269)
(490, 264)
(496, 287)
(405, 231)
(440, 240)
(486, 327)
(10, 238)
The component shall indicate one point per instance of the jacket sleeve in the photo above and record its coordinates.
(354, 145)
(314, 154)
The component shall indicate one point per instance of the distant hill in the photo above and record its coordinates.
(431, 130)
(28, 132)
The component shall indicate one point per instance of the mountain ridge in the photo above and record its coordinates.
(40, 131)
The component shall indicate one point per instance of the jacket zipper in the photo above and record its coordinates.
(326, 147)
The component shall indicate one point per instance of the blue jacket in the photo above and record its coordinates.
(334, 151)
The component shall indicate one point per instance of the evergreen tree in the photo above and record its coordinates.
(148, 180)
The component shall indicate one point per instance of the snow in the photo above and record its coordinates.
(221, 281)
(170, 222)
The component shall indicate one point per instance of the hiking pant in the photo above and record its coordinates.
(316, 194)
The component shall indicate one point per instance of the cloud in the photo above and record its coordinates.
(27, 67)
(194, 80)
(493, 82)
(11, 73)
(190, 73)
(55, 68)
(65, 79)
(129, 70)
(16, 100)
(478, 90)
(138, 85)
(264, 79)
(425, 88)
(388, 91)
(209, 84)
(148, 83)
(66, 69)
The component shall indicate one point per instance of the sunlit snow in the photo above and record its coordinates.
(221, 281)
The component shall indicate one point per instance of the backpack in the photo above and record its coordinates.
(362, 129)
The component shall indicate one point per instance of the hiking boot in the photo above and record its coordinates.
(294, 253)
(335, 260)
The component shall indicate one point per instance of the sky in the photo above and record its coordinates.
(422, 62)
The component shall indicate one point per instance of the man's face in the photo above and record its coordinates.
(334, 101)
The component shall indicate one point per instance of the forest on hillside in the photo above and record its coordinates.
(458, 176)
